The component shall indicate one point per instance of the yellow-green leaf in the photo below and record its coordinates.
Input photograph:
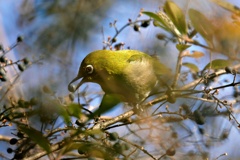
(218, 64)
(202, 24)
(191, 66)
(93, 132)
(182, 47)
(74, 109)
(162, 20)
(176, 15)
(64, 114)
(158, 21)
(36, 136)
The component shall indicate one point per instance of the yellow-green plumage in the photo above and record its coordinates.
(129, 75)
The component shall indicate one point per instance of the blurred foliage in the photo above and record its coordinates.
(53, 31)
(55, 25)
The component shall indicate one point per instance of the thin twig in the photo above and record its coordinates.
(102, 125)
(139, 147)
(44, 153)
(178, 69)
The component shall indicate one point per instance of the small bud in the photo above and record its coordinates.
(161, 36)
(113, 136)
(9, 150)
(170, 151)
(13, 141)
(20, 134)
(238, 126)
(228, 70)
(71, 88)
(21, 67)
(80, 151)
(171, 96)
(3, 59)
(118, 46)
(199, 119)
(136, 28)
(25, 61)
(79, 123)
(3, 78)
(19, 39)
(145, 24)
(114, 40)
(71, 96)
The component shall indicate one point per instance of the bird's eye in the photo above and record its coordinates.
(89, 69)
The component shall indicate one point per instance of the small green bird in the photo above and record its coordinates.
(124, 75)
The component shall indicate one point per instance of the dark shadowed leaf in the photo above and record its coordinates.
(74, 110)
(36, 136)
(64, 114)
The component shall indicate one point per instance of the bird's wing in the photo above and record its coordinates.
(135, 58)
(159, 68)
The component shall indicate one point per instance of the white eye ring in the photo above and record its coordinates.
(89, 69)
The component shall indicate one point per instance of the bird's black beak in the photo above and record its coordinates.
(71, 88)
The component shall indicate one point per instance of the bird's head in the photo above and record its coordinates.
(96, 67)
(87, 72)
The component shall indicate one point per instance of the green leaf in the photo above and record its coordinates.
(217, 64)
(162, 20)
(109, 101)
(191, 66)
(64, 114)
(176, 15)
(182, 47)
(36, 136)
(203, 25)
(157, 24)
(74, 110)
(157, 20)
(93, 132)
